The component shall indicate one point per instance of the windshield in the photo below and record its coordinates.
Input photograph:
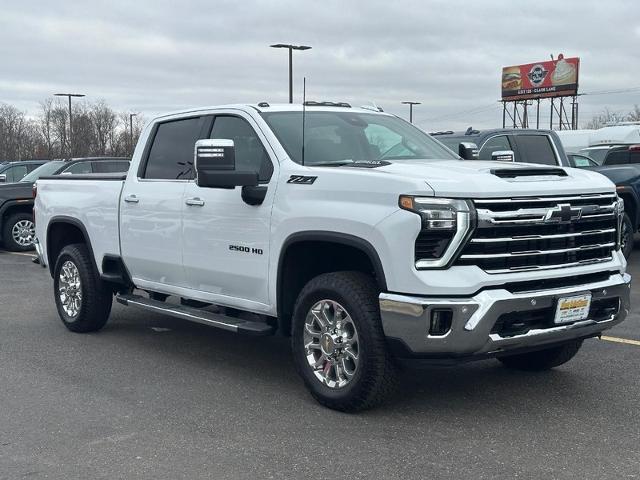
(47, 169)
(347, 137)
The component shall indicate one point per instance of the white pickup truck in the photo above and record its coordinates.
(363, 238)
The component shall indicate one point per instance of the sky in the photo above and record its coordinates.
(157, 56)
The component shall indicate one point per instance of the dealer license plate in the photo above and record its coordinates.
(572, 309)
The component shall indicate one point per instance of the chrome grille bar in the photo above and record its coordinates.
(550, 267)
(522, 238)
(594, 196)
(539, 252)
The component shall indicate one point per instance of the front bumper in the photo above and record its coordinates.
(406, 320)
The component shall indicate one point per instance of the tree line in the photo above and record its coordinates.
(96, 130)
(608, 117)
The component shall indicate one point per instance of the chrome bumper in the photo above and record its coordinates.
(41, 259)
(407, 319)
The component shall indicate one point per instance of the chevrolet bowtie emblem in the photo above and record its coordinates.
(563, 213)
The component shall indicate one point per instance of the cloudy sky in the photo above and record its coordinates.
(153, 56)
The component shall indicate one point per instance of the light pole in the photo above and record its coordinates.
(411, 104)
(131, 115)
(291, 48)
(69, 95)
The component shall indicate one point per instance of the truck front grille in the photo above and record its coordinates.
(538, 233)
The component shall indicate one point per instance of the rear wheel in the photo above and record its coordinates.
(339, 347)
(83, 300)
(543, 359)
(626, 236)
(19, 232)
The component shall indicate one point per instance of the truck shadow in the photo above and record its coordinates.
(243, 362)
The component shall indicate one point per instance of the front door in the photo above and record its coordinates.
(225, 240)
(151, 206)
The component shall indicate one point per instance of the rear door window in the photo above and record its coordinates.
(494, 144)
(535, 149)
(171, 154)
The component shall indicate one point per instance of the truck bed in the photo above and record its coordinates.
(92, 199)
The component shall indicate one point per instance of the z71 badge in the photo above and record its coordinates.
(301, 179)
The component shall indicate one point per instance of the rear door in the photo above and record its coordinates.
(226, 240)
(151, 206)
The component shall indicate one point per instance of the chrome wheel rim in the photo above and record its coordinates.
(70, 289)
(23, 233)
(331, 344)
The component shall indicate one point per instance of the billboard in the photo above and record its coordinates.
(553, 78)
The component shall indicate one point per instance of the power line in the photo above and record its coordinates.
(612, 92)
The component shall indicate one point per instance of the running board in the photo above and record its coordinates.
(196, 315)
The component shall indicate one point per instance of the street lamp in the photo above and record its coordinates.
(411, 104)
(291, 49)
(69, 95)
(131, 115)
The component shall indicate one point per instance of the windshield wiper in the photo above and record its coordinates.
(331, 163)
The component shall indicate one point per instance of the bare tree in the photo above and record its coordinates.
(634, 115)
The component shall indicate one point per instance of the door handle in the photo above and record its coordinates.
(195, 202)
(131, 199)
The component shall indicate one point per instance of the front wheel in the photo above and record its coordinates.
(83, 300)
(339, 347)
(543, 359)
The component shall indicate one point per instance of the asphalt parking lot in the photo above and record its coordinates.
(151, 397)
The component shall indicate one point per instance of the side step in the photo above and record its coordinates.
(196, 315)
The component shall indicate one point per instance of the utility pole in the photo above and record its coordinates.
(131, 115)
(411, 104)
(69, 95)
(291, 48)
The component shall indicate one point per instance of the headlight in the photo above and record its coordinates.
(620, 217)
(445, 224)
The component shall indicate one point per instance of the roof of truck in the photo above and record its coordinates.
(280, 107)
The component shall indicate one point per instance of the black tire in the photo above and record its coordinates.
(376, 375)
(543, 359)
(627, 236)
(7, 236)
(96, 296)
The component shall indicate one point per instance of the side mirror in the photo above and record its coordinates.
(215, 165)
(503, 156)
(3, 178)
(468, 151)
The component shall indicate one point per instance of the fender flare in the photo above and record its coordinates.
(63, 219)
(330, 237)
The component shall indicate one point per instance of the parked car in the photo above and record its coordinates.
(11, 172)
(350, 230)
(16, 199)
(606, 138)
(526, 145)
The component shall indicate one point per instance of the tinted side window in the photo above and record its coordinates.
(79, 168)
(171, 154)
(111, 166)
(536, 149)
(619, 157)
(501, 142)
(634, 156)
(250, 154)
(15, 174)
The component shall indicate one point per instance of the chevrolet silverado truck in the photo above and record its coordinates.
(350, 230)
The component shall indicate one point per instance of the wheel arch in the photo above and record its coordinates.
(305, 255)
(63, 231)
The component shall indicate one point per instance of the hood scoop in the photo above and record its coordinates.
(516, 173)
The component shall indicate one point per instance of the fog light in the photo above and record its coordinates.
(441, 320)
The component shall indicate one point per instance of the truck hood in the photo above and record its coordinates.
(478, 179)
